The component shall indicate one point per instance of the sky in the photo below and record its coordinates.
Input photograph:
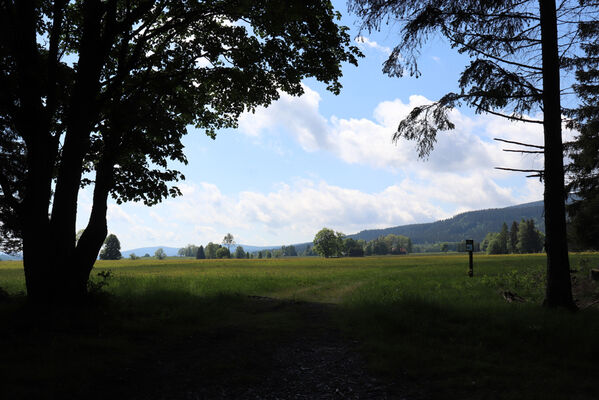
(322, 160)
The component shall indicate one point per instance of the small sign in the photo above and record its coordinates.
(469, 245)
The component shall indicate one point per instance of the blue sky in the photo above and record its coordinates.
(324, 160)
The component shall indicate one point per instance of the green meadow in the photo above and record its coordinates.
(420, 319)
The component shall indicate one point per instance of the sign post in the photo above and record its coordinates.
(470, 249)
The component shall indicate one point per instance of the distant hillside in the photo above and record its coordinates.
(8, 257)
(469, 225)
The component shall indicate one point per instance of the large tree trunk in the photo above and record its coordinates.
(55, 270)
(559, 287)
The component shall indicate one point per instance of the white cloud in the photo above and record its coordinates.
(294, 211)
(373, 45)
(368, 141)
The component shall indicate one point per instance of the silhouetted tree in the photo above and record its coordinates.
(584, 150)
(113, 113)
(111, 249)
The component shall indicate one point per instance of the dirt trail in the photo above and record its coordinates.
(316, 363)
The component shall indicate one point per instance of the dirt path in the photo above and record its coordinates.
(316, 362)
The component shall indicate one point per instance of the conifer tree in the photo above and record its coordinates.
(584, 151)
(200, 253)
(516, 57)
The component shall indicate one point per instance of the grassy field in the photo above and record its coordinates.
(418, 318)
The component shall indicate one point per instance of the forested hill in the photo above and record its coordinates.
(469, 225)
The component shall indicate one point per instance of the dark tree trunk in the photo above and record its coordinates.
(559, 287)
(56, 272)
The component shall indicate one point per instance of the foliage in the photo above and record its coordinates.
(112, 248)
(101, 93)
(160, 254)
(530, 240)
(522, 238)
(239, 252)
(211, 249)
(97, 285)
(133, 256)
(353, 248)
(228, 241)
(327, 243)
(191, 250)
(583, 171)
(289, 251)
(223, 252)
(200, 255)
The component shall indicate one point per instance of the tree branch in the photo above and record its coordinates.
(538, 171)
(519, 143)
(525, 151)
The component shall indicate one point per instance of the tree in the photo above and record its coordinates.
(515, 50)
(200, 253)
(327, 243)
(352, 248)
(228, 241)
(444, 247)
(112, 115)
(494, 247)
(530, 240)
(147, 255)
(112, 248)
(133, 256)
(239, 252)
(289, 251)
(503, 239)
(211, 249)
(188, 251)
(583, 171)
(513, 238)
(223, 252)
(160, 254)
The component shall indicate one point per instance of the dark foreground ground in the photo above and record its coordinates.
(305, 357)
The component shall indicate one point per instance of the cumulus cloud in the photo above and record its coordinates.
(458, 176)
(373, 45)
(367, 141)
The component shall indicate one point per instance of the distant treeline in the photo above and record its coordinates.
(521, 237)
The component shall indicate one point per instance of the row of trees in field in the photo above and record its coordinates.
(329, 243)
(521, 237)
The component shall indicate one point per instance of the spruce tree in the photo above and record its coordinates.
(584, 151)
(200, 253)
(513, 242)
(517, 51)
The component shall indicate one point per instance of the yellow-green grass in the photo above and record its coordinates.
(420, 317)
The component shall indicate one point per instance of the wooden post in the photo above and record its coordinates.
(470, 248)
